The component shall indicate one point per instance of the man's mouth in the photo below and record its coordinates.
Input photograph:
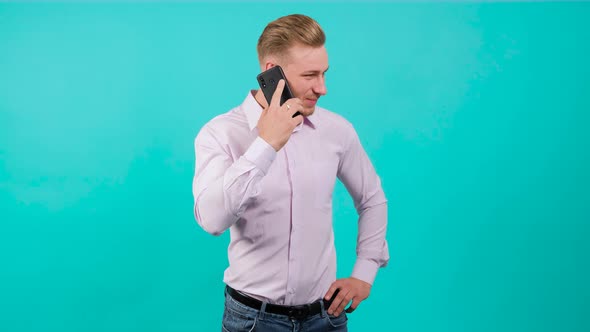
(310, 101)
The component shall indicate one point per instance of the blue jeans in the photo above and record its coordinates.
(240, 318)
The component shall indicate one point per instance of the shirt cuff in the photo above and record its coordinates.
(261, 154)
(365, 270)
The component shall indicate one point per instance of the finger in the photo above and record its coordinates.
(276, 96)
(265, 110)
(297, 119)
(344, 303)
(294, 102)
(338, 301)
(292, 106)
(332, 290)
(295, 110)
(353, 306)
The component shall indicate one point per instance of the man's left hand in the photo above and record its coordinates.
(350, 289)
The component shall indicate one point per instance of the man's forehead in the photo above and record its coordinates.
(308, 58)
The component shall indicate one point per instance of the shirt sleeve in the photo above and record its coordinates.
(360, 179)
(223, 188)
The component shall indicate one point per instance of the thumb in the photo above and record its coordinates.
(264, 111)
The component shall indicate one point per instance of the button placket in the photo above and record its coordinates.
(292, 247)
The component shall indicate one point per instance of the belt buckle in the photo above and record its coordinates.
(299, 312)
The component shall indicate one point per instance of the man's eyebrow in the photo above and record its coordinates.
(315, 71)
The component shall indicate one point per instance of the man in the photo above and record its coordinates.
(268, 177)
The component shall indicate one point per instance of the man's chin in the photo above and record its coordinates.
(307, 111)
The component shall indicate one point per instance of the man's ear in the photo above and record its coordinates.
(269, 64)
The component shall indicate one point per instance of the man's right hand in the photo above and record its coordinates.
(276, 123)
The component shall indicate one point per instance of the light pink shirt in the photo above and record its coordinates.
(278, 205)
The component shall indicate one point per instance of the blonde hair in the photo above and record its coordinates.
(284, 32)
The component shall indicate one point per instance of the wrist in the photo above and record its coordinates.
(275, 145)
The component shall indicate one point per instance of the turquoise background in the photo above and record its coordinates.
(475, 116)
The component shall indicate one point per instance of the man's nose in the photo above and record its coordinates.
(320, 87)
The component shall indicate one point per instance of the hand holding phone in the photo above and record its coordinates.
(276, 123)
(268, 81)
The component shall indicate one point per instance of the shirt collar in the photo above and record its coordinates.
(253, 110)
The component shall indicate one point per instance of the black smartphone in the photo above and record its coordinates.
(268, 81)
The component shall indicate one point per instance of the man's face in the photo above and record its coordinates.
(305, 68)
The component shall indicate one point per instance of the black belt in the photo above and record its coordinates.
(298, 312)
